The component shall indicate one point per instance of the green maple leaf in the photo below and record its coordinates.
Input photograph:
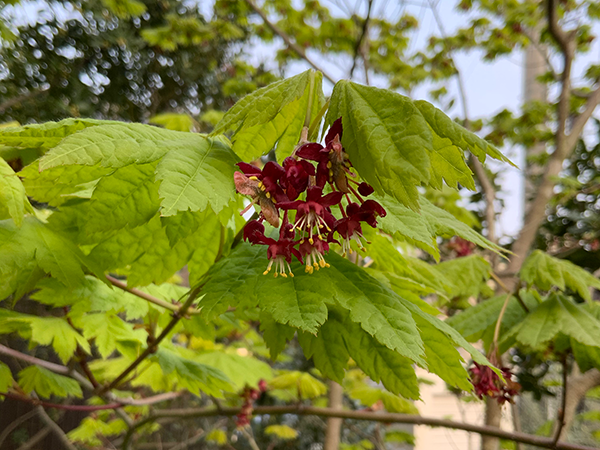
(263, 105)
(194, 171)
(545, 271)
(423, 228)
(127, 198)
(107, 330)
(239, 370)
(302, 301)
(480, 320)
(467, 274)
(192, 375)
(58, 332)
(57, 185)
(298, 382)
(397, 144)
(6, 379)
(47, 384)
(47, 134)
(35, 243)
(556, 315)
(283, 132)
(173, 121)
(13, 200)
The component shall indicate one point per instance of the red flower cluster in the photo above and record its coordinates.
(250, 396)
(277, 189)
(488, 384)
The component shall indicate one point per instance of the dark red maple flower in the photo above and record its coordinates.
(279, 252)
(488, 384)
(276, 188)
(312, 252)
(333, 161)
(262, 187)
(461, 246)
(313, 214)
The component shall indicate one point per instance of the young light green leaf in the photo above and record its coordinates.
(240, 370)
(13, 200)
(47, 134)
(47, 384)
(282, 432)
(57, 185)
(283, 131)
(545, 271)
(302, 382)
(173, 121)
(467, 274)
(264, 104)
(192, 375)
(35, 242)
(58, 332)
(107, 330)
(6, 379)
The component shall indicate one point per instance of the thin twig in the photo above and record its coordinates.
(59, 433)
(489, 192)
(190, 413)
(287, 39)
(152, 348)
(363, 34)
(561, 412)
(15, 423)
(33, 401)
(191, 441)
(150, 298)
(35, 439)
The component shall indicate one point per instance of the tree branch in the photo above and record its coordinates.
(564, 143)
(63, 370)
(190, 413)
(177, 315)
(60, 434)
(287, 39)
(487, 187)
(15, 423)
(359, 42)
(560, 420)
(150, 298)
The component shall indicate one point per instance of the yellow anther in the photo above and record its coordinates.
(291, 275)
(266, 271)
(275, 275)
(253, 178)
(311, 240)
(350, 250)
(330, 172)
(302, 241)
(263, 188)
(327, 265)
(322, 263)
(268, 195)
(329, 165)
(284, 275)
(316, 264)
(344, 255)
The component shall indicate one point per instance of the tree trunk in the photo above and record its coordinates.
(493, 414)
(334, 424)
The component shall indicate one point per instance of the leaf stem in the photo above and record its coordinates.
(499, 321)
(561, 412)
(317, 120)
(311, 92)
